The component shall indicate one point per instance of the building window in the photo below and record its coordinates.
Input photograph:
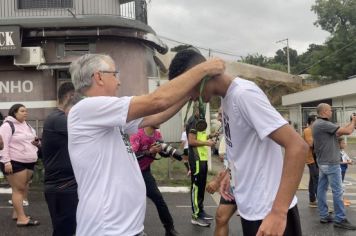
(29, 4)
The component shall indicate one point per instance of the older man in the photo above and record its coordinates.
(254, 133)
(327, 150)
(111, 190)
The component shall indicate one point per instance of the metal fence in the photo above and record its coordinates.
(135, 9)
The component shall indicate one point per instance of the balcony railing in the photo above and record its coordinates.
(130, 9)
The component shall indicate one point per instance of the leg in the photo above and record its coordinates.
(222, 217)
(322, 189)
(62, 207)
(336, 187)
(155, 195)
(313, 182)
(202, 184)
(194, 167)
(18, 182)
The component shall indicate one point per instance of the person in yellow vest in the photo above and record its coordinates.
(198, 161)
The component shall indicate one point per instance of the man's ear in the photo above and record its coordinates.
(97, 79)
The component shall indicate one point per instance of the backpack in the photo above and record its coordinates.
(12, 126)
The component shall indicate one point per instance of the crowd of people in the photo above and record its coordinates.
(98, 148)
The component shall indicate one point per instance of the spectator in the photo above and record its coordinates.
(313, 168)
(254, 131)
(145, 146)
(345, 161)
(60, 186)
(198, 161)
(327, 150)
(18, 160)
(226, 208)
(184, 146)
(111, 190)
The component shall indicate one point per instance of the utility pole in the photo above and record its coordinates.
(282, 40)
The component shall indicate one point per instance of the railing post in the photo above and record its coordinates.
(141, 11)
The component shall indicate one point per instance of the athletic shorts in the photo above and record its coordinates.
(18, 166)
(226, 202)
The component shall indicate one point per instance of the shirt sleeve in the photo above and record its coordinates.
(104, 112)
(257, 111)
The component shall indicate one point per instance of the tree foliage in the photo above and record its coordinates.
(336, 59)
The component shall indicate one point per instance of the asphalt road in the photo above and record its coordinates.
(179, 205)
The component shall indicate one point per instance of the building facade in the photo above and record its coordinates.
(40, 38)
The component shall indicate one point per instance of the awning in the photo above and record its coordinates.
(53, 66)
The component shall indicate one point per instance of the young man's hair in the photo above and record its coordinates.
(63, 90)
(184, 60)
(311, 119)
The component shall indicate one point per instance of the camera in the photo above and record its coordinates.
(168, 150)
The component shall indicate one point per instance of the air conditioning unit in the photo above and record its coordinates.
(29, 56)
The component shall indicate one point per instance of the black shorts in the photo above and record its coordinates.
(18, 166)
(293, 227)
(185, 152)
(226, 202)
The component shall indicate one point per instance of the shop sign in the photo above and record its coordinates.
(10, 43)
(17, 86)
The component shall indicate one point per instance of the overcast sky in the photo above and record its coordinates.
(239, 27)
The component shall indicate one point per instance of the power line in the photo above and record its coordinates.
(322, 59)
(202, 48)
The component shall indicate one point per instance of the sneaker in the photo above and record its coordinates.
(327, 219)
(199, 221)
(206, 216)
(313, 204)
(24, 203)
(345, 224)
(171, 232)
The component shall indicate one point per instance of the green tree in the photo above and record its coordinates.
(338, 57)
(255, 59)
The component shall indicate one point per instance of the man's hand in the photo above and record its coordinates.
(274, 224)
(225, 187)
(8, 168)
(212, 186)
(213, 66)
(1, 143)
(155, 148)
(210, 143)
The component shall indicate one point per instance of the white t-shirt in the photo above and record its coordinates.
(184, 139)
(111, 190)
(257, 160)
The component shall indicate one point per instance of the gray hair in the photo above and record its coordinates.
(82, 69)
(321, 107)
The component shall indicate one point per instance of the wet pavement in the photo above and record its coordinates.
(179, 205)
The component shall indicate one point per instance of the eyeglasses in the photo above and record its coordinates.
(115, 73)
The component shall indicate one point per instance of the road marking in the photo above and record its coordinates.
(174, 189)
(5, 191)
